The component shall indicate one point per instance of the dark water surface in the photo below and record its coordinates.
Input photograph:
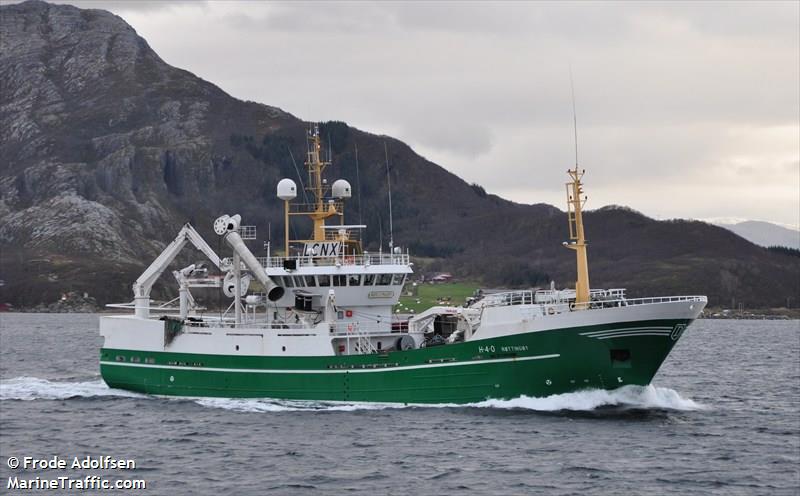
(722, 418)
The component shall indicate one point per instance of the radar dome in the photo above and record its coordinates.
(341, 189)
(287, 189)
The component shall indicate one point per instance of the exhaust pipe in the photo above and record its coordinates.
(274, 292)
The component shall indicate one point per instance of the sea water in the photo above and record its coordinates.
(722, 417)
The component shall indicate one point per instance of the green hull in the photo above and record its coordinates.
(531, 364)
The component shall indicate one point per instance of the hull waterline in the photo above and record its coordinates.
(531, 364)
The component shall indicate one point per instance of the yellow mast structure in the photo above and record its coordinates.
(319, 210)
(576, 236)
(316, 166)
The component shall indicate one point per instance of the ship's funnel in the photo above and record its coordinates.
(274, 292)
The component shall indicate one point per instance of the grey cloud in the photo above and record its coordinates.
(123, 6)
(482, 88)
(316, 17)
(463, 138)
(576, 21)
(734, 19)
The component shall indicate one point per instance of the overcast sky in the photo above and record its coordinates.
(687, 110)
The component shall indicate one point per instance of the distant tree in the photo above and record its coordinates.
(785, 250)
(436, 250)
(336, 133)
(478, 189)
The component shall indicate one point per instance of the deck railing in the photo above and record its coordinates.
(627, 302)
(248, 324)
(528, 297)
(365, 260)
(339, 329)
(509, 298)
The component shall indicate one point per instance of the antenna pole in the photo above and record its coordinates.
(269, 240)
(389, 182)
(380, 233)
(358, 186)
(299, 176)
(574, 116)
(286, 227)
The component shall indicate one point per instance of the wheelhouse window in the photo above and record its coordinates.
(398, 279)
(288, 282)
(324, 280)
(369, 279)
(311, 281)
(340, 280)
(354, 280)
(384, 279)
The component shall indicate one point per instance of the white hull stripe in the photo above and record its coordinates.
(609, 331)
(623, 333)
(631, 333)
(330, 371)
(662, 334)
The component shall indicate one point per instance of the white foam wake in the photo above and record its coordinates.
(33, 388)
(641, 397)
(276, 405)
(644, 397)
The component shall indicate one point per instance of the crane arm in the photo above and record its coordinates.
(201, 245)
(142, 286)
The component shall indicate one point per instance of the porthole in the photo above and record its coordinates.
(237, 347)
(283, 348)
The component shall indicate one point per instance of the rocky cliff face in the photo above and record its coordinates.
(98, 132)
(105, 150)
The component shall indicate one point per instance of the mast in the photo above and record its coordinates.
(316, 185)
(577, 239)
(326, 200)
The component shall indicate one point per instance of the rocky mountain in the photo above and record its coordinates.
(105, 151)
(765, 233)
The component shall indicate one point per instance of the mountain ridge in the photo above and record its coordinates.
(107, 150)
(765, 233)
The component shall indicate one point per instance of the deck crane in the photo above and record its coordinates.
(226, 226)
(143, 285)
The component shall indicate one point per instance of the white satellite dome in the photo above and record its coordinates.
(341, 189)
(287, 189)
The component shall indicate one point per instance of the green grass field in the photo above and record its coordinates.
(429, 294)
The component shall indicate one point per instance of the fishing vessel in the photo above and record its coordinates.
(317, 322)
